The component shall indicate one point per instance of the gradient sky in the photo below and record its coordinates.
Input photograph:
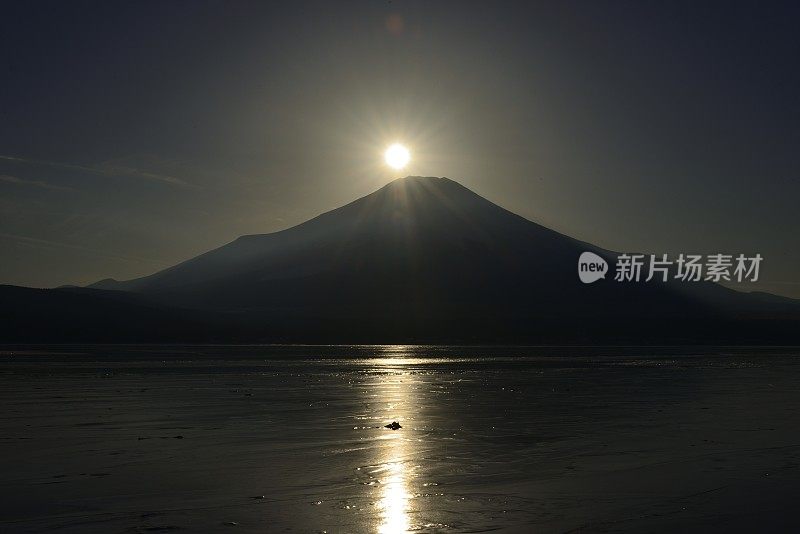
(136, 135)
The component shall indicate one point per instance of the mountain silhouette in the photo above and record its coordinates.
(426, 259)
(415, 239)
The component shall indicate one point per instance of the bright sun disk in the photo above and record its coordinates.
(397, 156)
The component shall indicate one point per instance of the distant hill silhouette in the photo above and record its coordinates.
(420, 260)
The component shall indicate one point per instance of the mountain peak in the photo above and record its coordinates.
(426, 189)
(429, 182)
(422, 179)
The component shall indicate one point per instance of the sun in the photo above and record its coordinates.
(397, 156)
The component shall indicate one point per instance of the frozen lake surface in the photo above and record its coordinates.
(292, 439)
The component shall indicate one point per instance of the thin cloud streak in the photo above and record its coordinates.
(7, 178)
(104, 170)
(44, 243)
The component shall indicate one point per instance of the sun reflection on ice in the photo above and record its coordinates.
(394, 500)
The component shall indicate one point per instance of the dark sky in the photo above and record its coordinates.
(135, 135)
